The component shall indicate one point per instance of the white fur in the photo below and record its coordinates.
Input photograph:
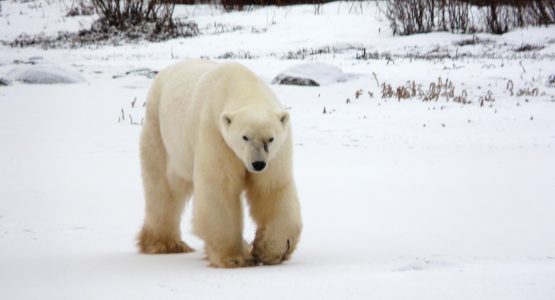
(198, 116)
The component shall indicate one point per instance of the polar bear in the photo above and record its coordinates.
(217, 131)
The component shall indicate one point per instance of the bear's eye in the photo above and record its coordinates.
(271, 140)
(246, 139)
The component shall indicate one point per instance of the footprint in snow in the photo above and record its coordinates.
(422, 264)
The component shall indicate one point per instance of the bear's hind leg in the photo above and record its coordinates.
(165, 196)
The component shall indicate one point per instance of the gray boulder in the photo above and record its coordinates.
(312, 74)
(4, 82)
(44, 75)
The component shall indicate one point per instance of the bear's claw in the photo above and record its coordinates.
(265, 252)
(235, 262)
(165, 247)
(150, 244)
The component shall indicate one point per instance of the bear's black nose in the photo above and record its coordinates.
(258, 165)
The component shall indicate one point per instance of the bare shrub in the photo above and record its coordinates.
(80, 8)
(134, 20)
(119, 21)
(125, 13)
(459, 20)
(239, 5)
(410, 16)
(528, 47)
(474, 40)
(543, 12)
(440, 89)
(237, 55)
(530, 92)
(551, 80)
(495, 16)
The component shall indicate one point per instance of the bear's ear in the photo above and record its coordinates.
(226, 119)
(283, 117)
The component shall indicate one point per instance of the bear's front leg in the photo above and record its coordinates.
(278, 217)
(218, 220)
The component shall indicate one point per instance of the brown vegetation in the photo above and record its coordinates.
(467, 16)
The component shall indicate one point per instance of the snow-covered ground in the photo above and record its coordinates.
(401, 199)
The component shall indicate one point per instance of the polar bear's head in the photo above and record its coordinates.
(255, 134)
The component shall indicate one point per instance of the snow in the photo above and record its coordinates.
(401, 199)
(38, 16)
